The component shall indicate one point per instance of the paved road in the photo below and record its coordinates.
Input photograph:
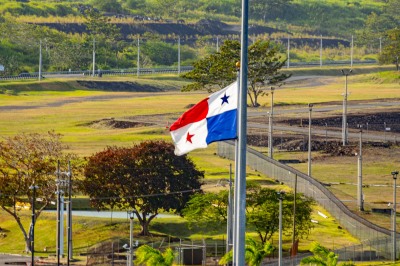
(6, 259)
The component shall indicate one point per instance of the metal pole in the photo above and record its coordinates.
(33, 187)
(131, 240)
(94, 56)
(360, 193)
(280, 195)
(320, 53)
(58, 212)
(288, 52)
(344, 122)
(70, 250)
(230, 208)
(240, 212)
(310, 105)
(138, 58)
(380, 45)
(270, 128)
(217, 44)
(179, 55)
(294, 215)
(40, 61)
(352, 51)
(394, 255)
(236, 170)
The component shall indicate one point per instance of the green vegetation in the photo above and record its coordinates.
(23, 28)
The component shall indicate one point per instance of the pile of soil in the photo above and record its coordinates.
(110, 123)
(118, 86)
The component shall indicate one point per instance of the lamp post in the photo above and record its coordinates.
(360, 193)
(280, 195)
(344, 122)
(270, 126)
(131, 215)
(310, 106)
(33, 187)
(394, 174)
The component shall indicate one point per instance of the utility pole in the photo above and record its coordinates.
(138, 58)
(280, 195)
(288, 52)
(294, 216)
(394, 255)
(131, 215)
(360, 192)
(352, 51)
(270, 127)
(40, 61)
(179, 55)
(344, 121)
(33, 187)
(320, 53)
(94, 57)
(310, 106)
(69, 214)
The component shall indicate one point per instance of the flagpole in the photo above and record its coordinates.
(240, 203)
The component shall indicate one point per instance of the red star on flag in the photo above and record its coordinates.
(189, 137)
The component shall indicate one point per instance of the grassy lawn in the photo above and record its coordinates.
(69, 109)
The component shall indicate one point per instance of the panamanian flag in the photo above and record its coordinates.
(212, 119)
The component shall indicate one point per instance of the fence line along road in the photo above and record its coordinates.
(163, 70)
(377, 237)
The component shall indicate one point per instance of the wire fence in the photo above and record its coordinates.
(376, 240)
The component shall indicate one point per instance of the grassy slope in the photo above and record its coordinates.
(68, 119)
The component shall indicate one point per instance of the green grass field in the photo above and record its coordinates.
(68, 108)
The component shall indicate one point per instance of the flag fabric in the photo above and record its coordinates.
(212, 119)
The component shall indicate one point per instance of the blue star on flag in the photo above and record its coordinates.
(225, 99)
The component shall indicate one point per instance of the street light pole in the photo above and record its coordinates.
(131, 215)
(280, 195)
(310, 106)
(270, 127)
(33, 187)
(360, 193)
(344, 122)
(394, 255)
(230, 213)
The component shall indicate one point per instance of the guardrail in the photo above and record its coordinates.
(164, 70)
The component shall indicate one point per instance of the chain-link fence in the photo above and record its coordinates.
(376, 240)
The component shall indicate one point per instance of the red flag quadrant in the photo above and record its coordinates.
(212, 119)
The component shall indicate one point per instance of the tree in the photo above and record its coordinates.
(322, 257)
(215, 71)
(207, 210)
(26, 160)
(254, 253)
(218, 70)
(146, 177)
(153, 257)
(391, 50)
(262, 208)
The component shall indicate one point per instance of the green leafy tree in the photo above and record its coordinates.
(322, 257)
(207, 210)
(218, 70)
(254, 253)
(26, 160)
(153, 257)
(262, 208)
(146, 177)
(391, 50)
